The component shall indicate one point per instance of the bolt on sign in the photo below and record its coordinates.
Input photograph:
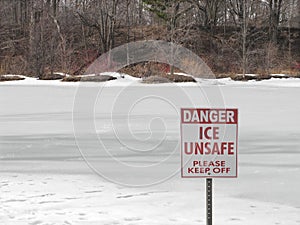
(209, 142)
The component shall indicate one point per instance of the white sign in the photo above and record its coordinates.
(209, 142)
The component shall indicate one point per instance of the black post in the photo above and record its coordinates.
(209, 201)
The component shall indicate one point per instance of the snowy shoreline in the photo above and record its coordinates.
(127, 80)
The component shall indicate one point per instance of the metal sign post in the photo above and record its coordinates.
(209, 196)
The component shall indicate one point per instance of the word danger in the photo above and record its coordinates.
(209, 116)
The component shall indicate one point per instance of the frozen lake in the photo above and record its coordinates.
(44, 179)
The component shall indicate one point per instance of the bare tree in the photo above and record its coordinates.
(275, 9)
(208, 12)
(41, 36)
(172, 13)
(101, 15)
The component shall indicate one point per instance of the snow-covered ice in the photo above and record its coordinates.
(44, 179)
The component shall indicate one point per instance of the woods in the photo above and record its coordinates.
(40, 37)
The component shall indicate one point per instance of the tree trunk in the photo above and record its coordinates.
(244, 37)
(274, 18)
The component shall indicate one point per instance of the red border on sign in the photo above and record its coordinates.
(235, 122)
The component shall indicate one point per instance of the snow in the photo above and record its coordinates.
(248, 74)
(44, 179)
(35, 81)
(122, 79)
(62, 73)
(126, 80)
(279, 75)
(273, 82)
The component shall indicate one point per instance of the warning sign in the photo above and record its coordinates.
(209, 142)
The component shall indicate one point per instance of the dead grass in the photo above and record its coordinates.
(153, 72)
(10, 78)
(155, 80)
(258, 77)
(98, 78)
(180, 78)
(168, 78)
(52, 77)
(243, 78)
